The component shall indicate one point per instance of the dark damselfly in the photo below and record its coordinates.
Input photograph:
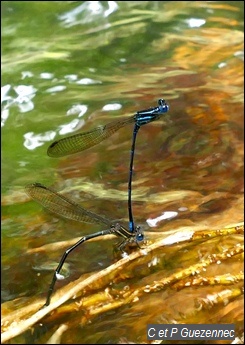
(67, 208)
(82, 141)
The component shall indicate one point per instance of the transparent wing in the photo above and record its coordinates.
(59, 204)
(82, 141)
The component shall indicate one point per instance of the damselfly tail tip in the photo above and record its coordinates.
(131, 226)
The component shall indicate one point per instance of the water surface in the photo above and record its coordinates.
(71, 66)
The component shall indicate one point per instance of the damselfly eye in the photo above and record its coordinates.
(163, 106)
(139, 237)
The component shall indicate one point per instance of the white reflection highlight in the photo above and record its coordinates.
(26, 74)
(82, 14)
(32, 141)
(113, 6)
(24, 95)
(25, 91)
(222, 64)
(4, 116)
(109, 107)
(165, 215)
(239, 54)
(124, 255)
(5, 98)
(183, 209)
(23, 100)
(88, 81)
(195, 23)
(26, 106)
(56, 88)
(154, 262)
(178, 237)
(46, 75)
(68, 128)
(22, 164)
(4, 93)
(87, 12)
(77, 109)
(71, 77)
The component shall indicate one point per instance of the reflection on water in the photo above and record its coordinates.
(69, 67)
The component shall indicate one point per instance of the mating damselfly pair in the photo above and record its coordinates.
(67, 208)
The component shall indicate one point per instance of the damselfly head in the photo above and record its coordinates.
(139, 236)
(163, 106)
